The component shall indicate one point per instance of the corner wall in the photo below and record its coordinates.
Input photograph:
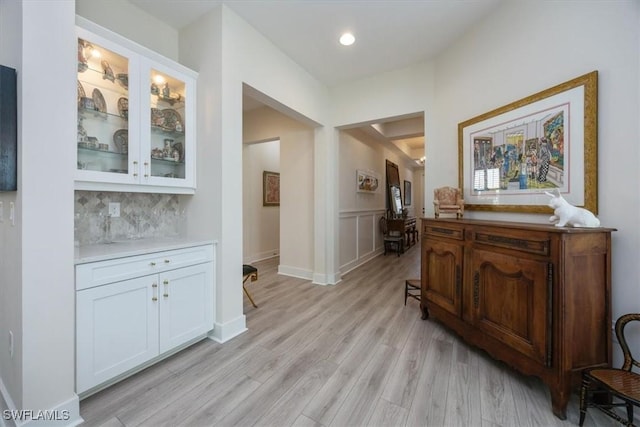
(10, 235)
(261, 224)
(296, 185)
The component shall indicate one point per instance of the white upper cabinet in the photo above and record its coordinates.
(136, 118)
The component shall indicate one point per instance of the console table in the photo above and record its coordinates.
(537, 297)
(404, 226)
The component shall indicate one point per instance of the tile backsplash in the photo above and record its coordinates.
(142, 215)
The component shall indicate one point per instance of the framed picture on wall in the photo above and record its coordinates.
(407, 193)
(270, 188)
(367, 181)
(509, 158)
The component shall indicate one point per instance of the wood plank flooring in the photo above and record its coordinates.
(346, 355)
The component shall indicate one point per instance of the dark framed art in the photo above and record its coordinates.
(407, 193)
(8, 130)
(270, 188)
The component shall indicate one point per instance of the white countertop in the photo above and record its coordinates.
(125, 248)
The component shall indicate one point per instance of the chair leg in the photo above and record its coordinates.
(630, 413)
(406, 291)
(249, 296)
(583, 399)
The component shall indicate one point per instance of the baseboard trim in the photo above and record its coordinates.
(326, 279)
(223, 332)
(300, 273)
(261, 256)
(66, 414)
(352, 265)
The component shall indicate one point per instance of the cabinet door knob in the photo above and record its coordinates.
(152, 264)
(167, 261)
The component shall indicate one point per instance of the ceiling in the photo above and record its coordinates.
(390, 34)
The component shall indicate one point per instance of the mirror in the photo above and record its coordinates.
(396, 201)
(394, 194)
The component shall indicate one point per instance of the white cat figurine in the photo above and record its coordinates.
(565, 213)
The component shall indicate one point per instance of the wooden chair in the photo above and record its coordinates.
(448, 200)
(249, 272)
(412, 289)
(392, 240)
(607, 388)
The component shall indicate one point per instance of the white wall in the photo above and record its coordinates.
(227, 53)
(359, 213)
(10, 236)
(130, 21)
(261, 224)
(296, 185)
(37, 275)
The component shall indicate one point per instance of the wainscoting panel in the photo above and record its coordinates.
(360, 237)
(348, 232)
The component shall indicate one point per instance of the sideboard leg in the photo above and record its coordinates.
(559, 402)
(425, 312)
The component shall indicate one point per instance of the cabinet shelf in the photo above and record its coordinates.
(171, 100)
(89, 113)
(107, 153)
(166, 161)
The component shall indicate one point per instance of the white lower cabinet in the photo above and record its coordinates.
(124, 324)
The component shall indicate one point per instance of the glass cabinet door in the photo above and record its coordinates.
(103, 110)
(167, 142)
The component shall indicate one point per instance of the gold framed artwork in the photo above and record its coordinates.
(270, 188)
(509, 157)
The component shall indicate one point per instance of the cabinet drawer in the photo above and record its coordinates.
(443, 230)
(102, 272)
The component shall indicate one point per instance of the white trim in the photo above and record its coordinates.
(326, 279)
(300, 273)
(371, 252)
(223, 332)
(261, 256)
(67, 413)
(346, 213)
(352, 265)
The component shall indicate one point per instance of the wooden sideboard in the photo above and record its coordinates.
(537, 297)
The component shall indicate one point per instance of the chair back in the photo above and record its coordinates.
(447, 195)
(629, 361)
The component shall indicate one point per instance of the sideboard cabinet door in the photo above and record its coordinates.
(442, 271)
(510, 300)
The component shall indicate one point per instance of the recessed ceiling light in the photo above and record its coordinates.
(347, 39)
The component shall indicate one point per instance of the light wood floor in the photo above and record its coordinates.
(346, 355)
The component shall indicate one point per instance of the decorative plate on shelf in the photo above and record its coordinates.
(121, 139)
(81, 93)
(123, 108)
(157, 118)
(172, 120)
(98, 101)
